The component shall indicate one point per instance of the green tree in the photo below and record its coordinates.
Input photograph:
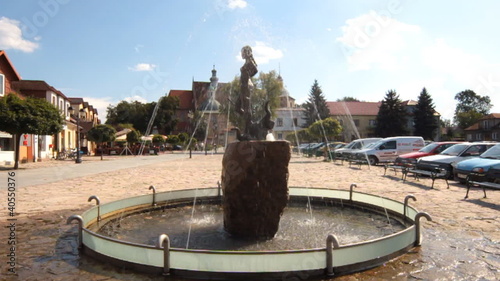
(165, 119)
(158, 139)
(29, 116)
(101, 134)
(124, 112)
(316, 107)
(133, 137)
(326, 129)
(348, 99)
(139, 114)
(173, 139)
(470, 108)
(425, 121)
(303, 135)
(391, 117)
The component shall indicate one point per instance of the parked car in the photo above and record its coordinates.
(430, 149)
(345, 152)
(300, 147)
(310, 149)
(388, 149)
(305, 146)
(477, 166)
(453, 154)
(331, 148)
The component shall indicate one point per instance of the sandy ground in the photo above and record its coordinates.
(461, 242)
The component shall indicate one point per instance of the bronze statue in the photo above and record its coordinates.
(254, 130)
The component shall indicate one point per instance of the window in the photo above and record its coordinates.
(372, 123)
(295, 123)
(494, 136)
(280, 136)
(279, 122)
(486, 124)
(54, 100)
(356, 122)
(2, 85)
(389, 145)
(479, 136)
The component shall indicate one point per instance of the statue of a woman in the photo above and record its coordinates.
(248, 70)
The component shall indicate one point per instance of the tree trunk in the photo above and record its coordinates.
(17, 137)
(102, 151)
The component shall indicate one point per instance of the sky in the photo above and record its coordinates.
(108, 51)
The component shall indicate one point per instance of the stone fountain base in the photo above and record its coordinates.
(254, 181)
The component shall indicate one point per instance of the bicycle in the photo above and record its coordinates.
(62, 155)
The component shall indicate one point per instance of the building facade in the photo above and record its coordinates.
(289, 117)
(487, 129)
(203, 101)
(9, 76)
(34, 147)
(358, 119)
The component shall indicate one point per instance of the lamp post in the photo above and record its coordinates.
(77, 114)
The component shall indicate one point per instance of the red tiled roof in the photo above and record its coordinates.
(75, 100)
(185, 98)
(353, 108)
(491, 116)
(475, 126)
(4, 55)
(37, 85)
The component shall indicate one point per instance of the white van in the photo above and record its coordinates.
(388, 149)
(353, 146)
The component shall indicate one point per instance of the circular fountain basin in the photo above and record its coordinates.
(335, 257)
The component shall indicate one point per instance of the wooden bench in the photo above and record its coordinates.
(493, 174)
(403, 168)
(438, 173)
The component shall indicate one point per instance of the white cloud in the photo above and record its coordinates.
(11, 37)
(263, 53)
(457, 63)
(375, 40)
(138, 48)
(236, 4)
(142, 67)
(135, 98)
(101, 104)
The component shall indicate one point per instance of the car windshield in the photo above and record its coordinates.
(350, 145)
(455, 150)
(492, 153)
(428, 148)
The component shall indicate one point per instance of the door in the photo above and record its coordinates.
(388, 151)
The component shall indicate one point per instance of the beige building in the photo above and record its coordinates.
(358, 119)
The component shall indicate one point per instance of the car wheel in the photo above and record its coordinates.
(372, 160)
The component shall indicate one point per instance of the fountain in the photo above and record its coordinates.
(253, 197)
(254, 171)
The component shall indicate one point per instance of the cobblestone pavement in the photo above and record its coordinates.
(461, 243)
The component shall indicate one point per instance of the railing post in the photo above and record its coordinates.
(350, 191)
(98, 202)
(219, 192)
(407, 198)
(80, 228)
(331, 243)
(417, 225)
(154, 195)
(164, 242)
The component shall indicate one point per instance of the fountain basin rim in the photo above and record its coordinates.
(149, 256)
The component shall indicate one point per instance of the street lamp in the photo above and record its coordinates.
(78, 115)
